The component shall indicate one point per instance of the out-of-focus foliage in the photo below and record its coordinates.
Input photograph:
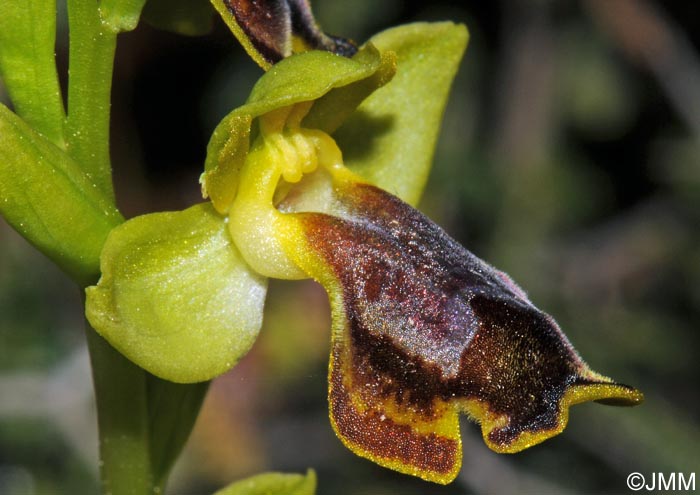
(564, 158)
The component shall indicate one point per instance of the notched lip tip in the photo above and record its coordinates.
(633, 399)
(626, 396)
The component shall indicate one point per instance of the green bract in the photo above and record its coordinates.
(46, 196)
(175, 296)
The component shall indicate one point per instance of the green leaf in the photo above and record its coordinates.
(175, 296)
(188, 17)
(303, 77)
(273, 484)
(172, 411)
(390, 140)
(122, 415)
(28, 66)
(48, 199)
(143, 421)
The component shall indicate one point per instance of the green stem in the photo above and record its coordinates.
(91, 58)
(122, 412)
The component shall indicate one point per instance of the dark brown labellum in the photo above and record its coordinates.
(424, 329)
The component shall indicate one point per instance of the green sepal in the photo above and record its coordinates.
(28, 66)
(303, 77)
(175, 296)
(191, 18)
(48, 199)
(273, 484)
(390, 140)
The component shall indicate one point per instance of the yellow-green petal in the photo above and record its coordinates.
(175, 296)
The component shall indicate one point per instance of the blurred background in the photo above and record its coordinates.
(569, 158)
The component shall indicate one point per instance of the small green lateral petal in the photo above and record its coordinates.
(226, 154)
(175, 297)
(301, 78)
(391, 139)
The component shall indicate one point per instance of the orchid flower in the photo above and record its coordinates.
(315, 177)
